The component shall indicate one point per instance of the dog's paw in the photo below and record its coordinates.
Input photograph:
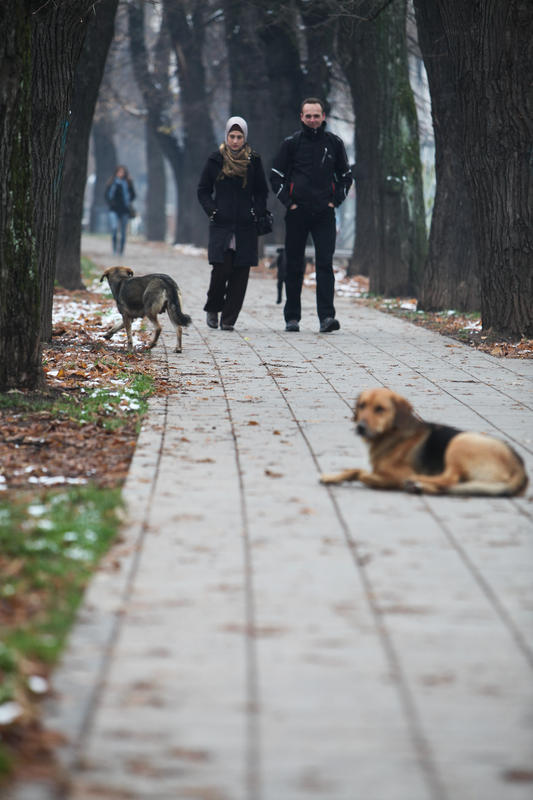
(177, 350)
(329, 478)
(108, 335)
(412, 486)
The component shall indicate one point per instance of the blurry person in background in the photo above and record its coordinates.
(119, 196)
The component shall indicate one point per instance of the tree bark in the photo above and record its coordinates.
(450, 275)
(490, 47)
(20, 340)
(390, 222)
(87, 81)
(58, 33)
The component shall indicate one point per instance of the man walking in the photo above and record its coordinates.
(311, 176)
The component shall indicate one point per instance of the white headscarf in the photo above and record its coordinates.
(243, 125)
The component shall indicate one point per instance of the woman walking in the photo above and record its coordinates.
(233, 192)
(119, 195)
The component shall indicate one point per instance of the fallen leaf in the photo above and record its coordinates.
(272, 474)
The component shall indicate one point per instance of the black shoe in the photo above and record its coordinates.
(226, 327)
(212, 319)
(329, 324)
(292, 325)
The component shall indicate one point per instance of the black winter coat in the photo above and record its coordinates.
(235, 209)
(119, 195)
(311, 169)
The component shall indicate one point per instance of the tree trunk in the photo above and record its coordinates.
(187, 33)
(105, 161)
(20, 340)
(58, 32)
(490, 47)
(450, 275)
(390, 222)
(154, 90)
(319, 36)
(262, 55)
(86, 85)
(250, 85)
(156, 192)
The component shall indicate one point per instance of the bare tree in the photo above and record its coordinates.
(87, 81)
(390, 222)
(250, 83)
(187, 21)
(156, 189)
(319, 32)
(105, 157)
(155, 91)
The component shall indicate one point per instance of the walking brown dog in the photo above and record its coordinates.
(145, 296)
(408, 453)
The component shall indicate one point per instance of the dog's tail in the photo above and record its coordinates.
(177, 317)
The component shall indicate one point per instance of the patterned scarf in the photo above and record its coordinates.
(235, 164)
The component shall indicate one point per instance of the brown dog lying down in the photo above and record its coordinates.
(408, 453)
(145, 296)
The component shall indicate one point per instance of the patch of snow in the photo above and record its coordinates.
(79, 554)
(36, 511)
(38, 684)
(44, 480)
(9, 712)
(190, 250)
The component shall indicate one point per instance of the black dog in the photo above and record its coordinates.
(145, 296)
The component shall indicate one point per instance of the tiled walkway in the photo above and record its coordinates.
(268, 638)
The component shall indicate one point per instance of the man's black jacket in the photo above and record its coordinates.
(311, 169)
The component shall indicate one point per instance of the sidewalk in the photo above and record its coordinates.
(258, 636)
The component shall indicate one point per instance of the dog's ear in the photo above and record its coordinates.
(404, 411)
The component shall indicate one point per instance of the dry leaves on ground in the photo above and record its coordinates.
(50, 446)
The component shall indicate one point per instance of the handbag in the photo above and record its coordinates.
(265, 223)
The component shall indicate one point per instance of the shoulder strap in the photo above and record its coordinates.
(294, 141)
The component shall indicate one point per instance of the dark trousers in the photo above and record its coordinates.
(299, 223)
(118, 224)
(227, 288)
